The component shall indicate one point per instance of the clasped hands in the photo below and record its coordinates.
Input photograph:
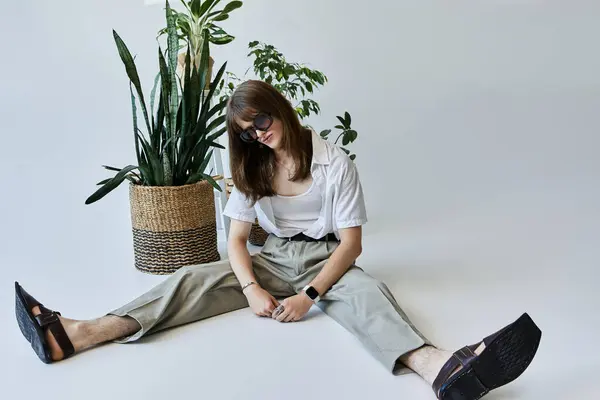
(291, 309)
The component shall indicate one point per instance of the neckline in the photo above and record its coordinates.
(307, 191)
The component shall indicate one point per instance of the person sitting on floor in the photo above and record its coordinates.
(306, 193)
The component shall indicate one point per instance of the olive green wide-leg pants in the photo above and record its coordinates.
(361, 304)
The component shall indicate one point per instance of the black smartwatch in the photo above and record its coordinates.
(312, 293)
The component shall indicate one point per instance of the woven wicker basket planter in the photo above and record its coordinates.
(173, 226)
(258, 236)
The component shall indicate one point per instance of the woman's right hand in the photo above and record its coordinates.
(261, 302)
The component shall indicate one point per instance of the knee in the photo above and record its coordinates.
(183, 272)
(373, 285)
(360, 280)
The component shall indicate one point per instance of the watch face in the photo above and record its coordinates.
(312, 292)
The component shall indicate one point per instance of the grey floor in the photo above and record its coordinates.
(456, 287)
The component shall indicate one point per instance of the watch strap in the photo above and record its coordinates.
(312, 293)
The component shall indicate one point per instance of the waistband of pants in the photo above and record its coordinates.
(330, 237)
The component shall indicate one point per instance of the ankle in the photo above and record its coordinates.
(78, 332)
(427, 362)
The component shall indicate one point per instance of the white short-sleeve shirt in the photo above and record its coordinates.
(337, 178)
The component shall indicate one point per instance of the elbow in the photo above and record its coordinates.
(235, 243)
(359, 249)
(354, 248)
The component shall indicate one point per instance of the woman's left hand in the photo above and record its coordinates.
(294, 308)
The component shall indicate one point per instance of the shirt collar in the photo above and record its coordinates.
(320, 153)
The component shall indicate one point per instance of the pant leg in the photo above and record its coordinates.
(194, 293)
(366, 307)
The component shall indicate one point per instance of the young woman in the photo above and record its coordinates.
(307, 194)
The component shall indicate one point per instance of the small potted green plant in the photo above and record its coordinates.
(171, 195)
(196, 24)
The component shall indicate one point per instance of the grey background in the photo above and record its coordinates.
(478, 151)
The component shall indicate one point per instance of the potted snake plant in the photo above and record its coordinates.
(171, 195)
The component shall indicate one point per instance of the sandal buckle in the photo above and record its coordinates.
(46, 318)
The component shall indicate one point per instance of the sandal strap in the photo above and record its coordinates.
(460, 358)
(48, 319)
(465, 355)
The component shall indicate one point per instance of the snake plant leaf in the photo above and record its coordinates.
(213, 88)
(160, 118)
(108, 167)
(152, 97)
(167, 171)
(165, 133)
(200, 170)
(217, 134)
(132, 73)
(192, 161)
(217, 145)
(102, 182)
(145, 173)
(135, 122)
(215, 123)
(212, 181)
(194, 89)
(154, 164)
(205, 162)
(110, 185)
(185, 98)
(173, 42)
(130, 178)
(217, 109)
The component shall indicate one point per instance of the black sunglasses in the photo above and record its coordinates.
(262, 122)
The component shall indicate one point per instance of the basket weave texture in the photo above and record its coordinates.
(173, 226)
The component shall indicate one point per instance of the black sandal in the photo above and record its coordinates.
(34, 328)
(506, 356)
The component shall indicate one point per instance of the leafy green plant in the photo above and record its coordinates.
(347, 134)
(198, 23)
(293, 80)
(296, 81)
(178, 143)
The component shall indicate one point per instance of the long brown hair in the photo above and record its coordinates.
(253, 165)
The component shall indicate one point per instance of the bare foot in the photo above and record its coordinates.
(71, 328)
(428, 361)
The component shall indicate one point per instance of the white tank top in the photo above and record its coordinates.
(295, 214)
